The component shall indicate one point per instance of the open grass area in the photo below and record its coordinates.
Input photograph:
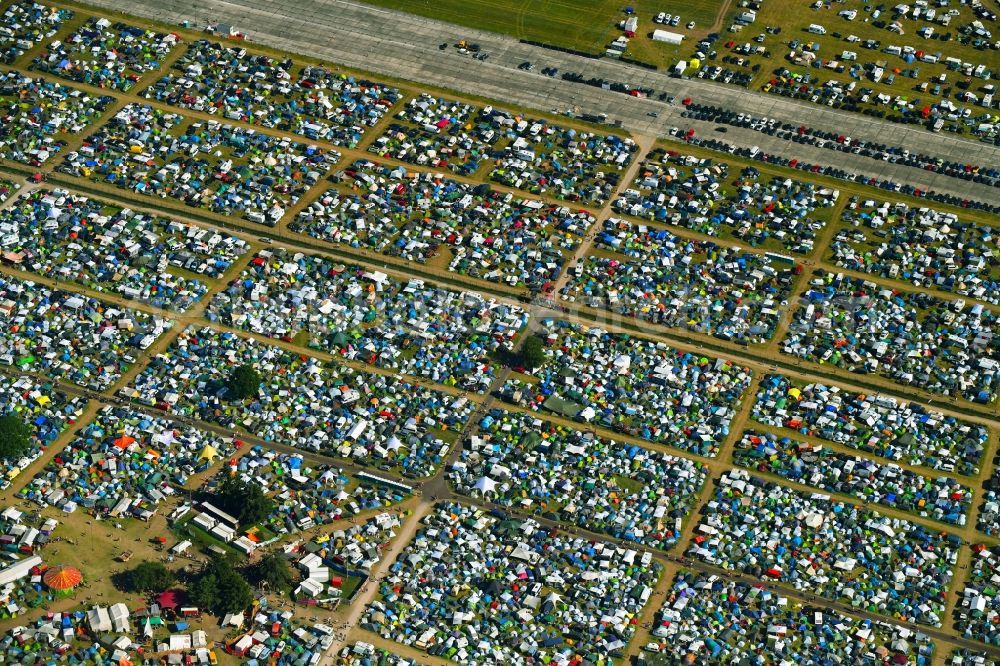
(629, 485)
(584, 25)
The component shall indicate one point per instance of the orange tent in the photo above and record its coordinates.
(124, 442)
(62, 578)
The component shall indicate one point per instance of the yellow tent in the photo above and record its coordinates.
(208, 453)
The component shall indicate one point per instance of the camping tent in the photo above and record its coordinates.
(62, 578)
(486, 485)
(208, 453)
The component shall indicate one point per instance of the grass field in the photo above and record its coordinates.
(585, 25)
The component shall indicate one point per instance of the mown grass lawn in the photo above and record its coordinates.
(585, 25)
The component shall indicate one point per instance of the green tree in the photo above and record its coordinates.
(15, 436)
(533, 353)
(244, 382)
(220, 589)
(274, 571)
(204, 591)
(246, 501)
(149, 577)
(256, 505)
(227, 494)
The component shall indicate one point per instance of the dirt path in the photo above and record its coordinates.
(91, 407)
(721, 16)
(25, 188)
(645, 144)
(371, 588)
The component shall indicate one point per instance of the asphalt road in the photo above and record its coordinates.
(405, 46)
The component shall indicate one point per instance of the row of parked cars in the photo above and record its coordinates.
(834, 172)
(986, 175)
(669, 19)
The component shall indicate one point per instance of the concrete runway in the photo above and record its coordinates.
(405, 46)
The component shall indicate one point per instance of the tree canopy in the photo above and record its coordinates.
(15, 436)
(246, 501)
(244, 382)
(149, 577)
(220, 589)
(533, 353)
(273, 570)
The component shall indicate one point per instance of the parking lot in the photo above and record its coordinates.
(534, 155)
(940, 498)
(584, 591)
(50, 412)
(878, 424)
(912, 337)
(124, 464)
(40, 116)
(835, 550)
(371, 419)
(638, 387)
(26, 23)
(394, 50)
(105, 54)
(925, 247)
(71, 337)
(626, 491)
(760, 619)
(912, 64)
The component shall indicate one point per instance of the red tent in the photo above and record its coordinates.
(170, 599)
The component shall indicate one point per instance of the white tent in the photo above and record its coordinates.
(486, 485)
(99, 619)
(165, 437)
(667, 36)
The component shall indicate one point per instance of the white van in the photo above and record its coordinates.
(816, 29)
